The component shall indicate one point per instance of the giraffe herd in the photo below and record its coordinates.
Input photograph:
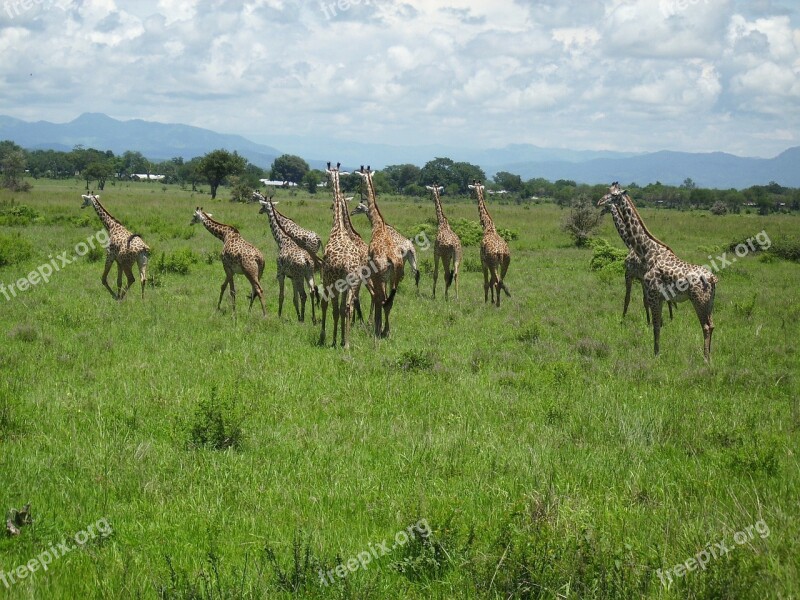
(348, 262)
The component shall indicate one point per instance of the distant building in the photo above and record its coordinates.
(277, 183)
(147, 177)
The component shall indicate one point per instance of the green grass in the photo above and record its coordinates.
(550, 453)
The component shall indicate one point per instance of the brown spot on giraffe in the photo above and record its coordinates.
(446, 248)
(238, 256)
(668, 278)
(495, 255)
(124, 248)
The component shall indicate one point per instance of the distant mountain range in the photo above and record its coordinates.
(161, 141)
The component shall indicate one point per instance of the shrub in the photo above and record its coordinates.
(13, 214)
(582, 221)
(13, 250)
(178, 262)
(607, 257)
(719, 208)
(215, 426)
(469, 232)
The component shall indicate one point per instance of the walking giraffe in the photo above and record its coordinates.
(363, 257)
(634, 269)
(385, 260)
(495, 255)
(124, 248)
(446, 248)
(667, 277)
(305, 238)
(238, 256)
(406, 245)
(295, 263)
(341, 265)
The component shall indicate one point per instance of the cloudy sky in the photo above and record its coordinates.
(633, 75)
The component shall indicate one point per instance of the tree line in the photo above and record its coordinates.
(221, 167)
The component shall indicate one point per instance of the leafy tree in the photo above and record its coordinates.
(438, 170)
(508, 181)
(12, 163)
(312, 179)
(464, 174)
(289, 168)
(131, 162)
(189, 172)
(688, 184)
(219, 164)
(582, 221)
(402, 176)
(100, 170)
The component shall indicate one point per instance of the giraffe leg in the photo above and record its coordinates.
(312, 290)
(324, 309)
(656, 307)
(129, 277)
(377, 302)
(644, 301)
(142, 260)
(299, 293)
(257, 290)
(670, 305)
(628, 284)
(506, 260)
(336, 315)
(494, 284)
(119, 281)
(436, 259)
(703, 310)
(344, 307)
(104, 276)
(412, 261)
(228, 280)
(485, 282)
(281, 283)
(456, 267)
(448, 275)
(232, 290)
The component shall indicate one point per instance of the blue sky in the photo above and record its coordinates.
(629, 75)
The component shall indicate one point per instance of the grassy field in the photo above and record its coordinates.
(541, 446)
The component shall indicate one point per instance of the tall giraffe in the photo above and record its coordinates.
(634, 269)
(238, 256)
(406, 245)
(363, 255)
(667, 277)
(385, 259)
(495, 255)
(124, 248)
(295, 263)
(447, 246)
(305, 238)
(341, 266)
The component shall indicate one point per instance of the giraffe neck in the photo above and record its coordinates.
(347, 222)
(109, 222)
(338, 205)
(439, 212)
(375, 217)
(620, 225)
(641, 240)
(486, 219)
(281, 238)
(217, 229)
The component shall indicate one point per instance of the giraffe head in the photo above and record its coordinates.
(361, 209)
(438, 189)
(87, 199)
(614, 196)
(266, 205)
(199, 216)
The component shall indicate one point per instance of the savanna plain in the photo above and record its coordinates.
(536, 450)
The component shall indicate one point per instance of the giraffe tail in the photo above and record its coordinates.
(450, 278)
(504, 287)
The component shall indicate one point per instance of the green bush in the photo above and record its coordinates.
(215, 424)
(178, 262)
(606, 257)
(12, 214)
(13, 250)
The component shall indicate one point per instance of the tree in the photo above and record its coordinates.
(100, 170)
(219, 164)
(402, 176)
(12, 163)
(289, 168)
(508, 181)
(312, 179)
(688, 184)
(582, 221)
(189, 172)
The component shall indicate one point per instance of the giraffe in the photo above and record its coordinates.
(238, 256)
(406, 245)
(385, 260)
(305, 238)
(341, 265)
(124, 248)
(295, 263)
(446, 248)
(495, 256)
(363, 256)
(665, 271)
(634, 268)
